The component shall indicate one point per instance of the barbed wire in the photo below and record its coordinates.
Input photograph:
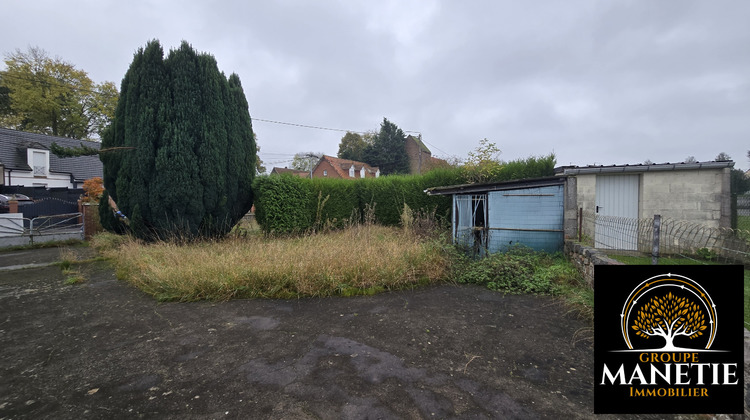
(687, 239)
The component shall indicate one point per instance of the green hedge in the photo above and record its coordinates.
(282, 203)
(287, 204)
(333, 201)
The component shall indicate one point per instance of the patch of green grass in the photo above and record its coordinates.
(632, 260)
(73, 276)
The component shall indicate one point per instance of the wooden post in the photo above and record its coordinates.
(657, 233)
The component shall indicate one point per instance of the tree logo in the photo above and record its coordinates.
(670, 353)
(669, 312)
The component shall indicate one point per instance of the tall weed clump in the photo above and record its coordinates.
(361, 259)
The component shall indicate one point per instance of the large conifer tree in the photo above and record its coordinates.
(388, 150)
(194, 154)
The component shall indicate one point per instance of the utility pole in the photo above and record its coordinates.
(312, 156)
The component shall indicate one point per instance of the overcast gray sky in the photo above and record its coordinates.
(595, 82)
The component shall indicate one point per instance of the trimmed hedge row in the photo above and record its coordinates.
(289, 204)
(282, 203)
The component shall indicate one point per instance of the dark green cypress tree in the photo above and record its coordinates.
(241, 150)
(388, 150)
(190, 127)
(138, 124)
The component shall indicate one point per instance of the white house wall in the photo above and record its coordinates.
(27, 179)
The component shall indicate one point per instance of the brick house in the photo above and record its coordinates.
(280, 171)
(331, 167)
(420, 157)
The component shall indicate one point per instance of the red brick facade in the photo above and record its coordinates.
(420, 157)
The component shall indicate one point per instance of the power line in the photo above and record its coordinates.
(435, 147)
(275, 154)
(70, 86)
(319, 128)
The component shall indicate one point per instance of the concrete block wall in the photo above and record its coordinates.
(698, 196)
(586, 192)
(695, 196)
(585, 258)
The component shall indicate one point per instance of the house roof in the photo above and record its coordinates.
(301, 174)
(639, 167)
(13, 145)
(341, 166)
(421, 145)
(496, 186)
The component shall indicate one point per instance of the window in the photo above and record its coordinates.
(38, 160)
(362, 172)
(351, 171)
(377, 173)
(325, 173)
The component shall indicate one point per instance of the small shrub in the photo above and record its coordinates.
(73, 277)
(706, 254)
(94, 188)
(67, 258)
(520, 270)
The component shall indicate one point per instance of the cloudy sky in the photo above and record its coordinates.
(595, 82)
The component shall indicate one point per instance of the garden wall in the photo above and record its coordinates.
(585, 258)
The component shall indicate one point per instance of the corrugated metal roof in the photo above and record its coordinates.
(619, 169)
(496, 186)
(13, 145)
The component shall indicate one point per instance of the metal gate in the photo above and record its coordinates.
(42, 228)
(48, 206)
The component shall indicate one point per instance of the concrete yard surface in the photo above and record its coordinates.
(103, 349)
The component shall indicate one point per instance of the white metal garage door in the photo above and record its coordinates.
(616, 212)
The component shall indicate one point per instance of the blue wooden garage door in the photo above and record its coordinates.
(531, 217)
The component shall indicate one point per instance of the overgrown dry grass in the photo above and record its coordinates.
(362, 259)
